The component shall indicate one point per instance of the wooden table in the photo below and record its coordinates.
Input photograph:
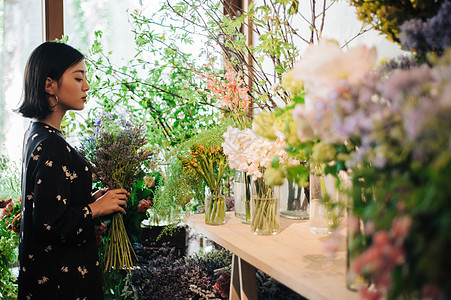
(294, 257)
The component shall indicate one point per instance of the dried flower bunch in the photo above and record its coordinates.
(116, 153)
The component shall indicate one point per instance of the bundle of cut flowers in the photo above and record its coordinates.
(116, 152)
(230, 94)
(210, 164)
(253, 154)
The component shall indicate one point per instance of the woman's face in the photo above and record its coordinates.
(72, 87)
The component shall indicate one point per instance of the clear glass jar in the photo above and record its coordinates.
(264, 208)
(215, 207)
(325, 210)
(242, 196)
(294, 203)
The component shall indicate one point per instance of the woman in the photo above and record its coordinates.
(58, 253)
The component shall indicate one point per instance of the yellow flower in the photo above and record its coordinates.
(290, 84)
(274, 176)
(323, 152)
(263, 125)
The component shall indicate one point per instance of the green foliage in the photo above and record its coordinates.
(9, 178)
(183, 190)
(388, 16)
(157, 84)
(9, 242)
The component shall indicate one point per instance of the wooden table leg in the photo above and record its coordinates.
(243, 281)
(248, 281)
(235, 288)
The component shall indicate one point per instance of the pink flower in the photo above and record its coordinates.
(385, 253)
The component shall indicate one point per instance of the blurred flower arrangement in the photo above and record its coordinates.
(210, 164)
(390, 128)
(399, 173)
(116, 152)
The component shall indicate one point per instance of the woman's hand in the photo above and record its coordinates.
(109, 202)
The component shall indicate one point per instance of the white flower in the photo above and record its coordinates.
(324, 64)
(249, 152)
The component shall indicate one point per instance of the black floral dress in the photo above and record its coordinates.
(58, 253)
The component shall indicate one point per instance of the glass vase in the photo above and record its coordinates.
(242, 194)
(356, 238)
(264, 208)
(325, 212)
(294, 202)
(215, 207)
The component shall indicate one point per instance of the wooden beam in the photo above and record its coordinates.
(232, 7)
(53, 20)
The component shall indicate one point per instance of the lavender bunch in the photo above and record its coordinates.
(431, 35)
(116, 154)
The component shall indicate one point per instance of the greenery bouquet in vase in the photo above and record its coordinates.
(116, 154)
(210, 164)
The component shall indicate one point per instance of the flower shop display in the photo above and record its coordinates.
(10, 203)
(230, 94)
(388, 17)
(210, 164)
(116, 152)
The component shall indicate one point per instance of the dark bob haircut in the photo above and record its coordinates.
(50, 59)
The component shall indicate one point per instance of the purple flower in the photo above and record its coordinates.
(97, 122)
(431, 35)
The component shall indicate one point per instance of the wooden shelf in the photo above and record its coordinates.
(293, 257)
